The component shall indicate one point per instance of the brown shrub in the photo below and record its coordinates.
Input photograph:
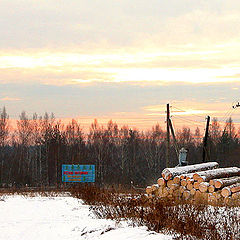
(181, 219)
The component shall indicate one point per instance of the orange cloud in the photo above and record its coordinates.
(9, 99)
(214, 63)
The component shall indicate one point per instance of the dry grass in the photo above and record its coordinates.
(34, 192)
(181, 219)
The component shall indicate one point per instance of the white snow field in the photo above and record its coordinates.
(43, 218)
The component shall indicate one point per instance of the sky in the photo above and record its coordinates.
(121, 60)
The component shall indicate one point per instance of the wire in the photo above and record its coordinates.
(188, 119)
(186, 111)
(225, 117)
(230, 113)
(191, 121)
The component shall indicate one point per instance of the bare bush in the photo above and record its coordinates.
(181, 219)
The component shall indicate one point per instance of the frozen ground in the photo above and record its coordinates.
(43, 218)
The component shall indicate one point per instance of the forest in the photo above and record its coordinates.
(33, 150)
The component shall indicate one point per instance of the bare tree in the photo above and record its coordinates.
(215, 130)
(4, 127)
(4, 133)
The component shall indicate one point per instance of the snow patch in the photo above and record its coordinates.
(61, 218)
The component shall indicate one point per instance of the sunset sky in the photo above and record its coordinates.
(121, 59)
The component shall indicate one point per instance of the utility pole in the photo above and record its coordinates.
(205, 140)
(174, 138)
(168, 137)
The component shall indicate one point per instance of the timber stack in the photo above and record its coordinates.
(200, 182)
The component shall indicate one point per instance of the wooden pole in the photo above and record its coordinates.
(168, 137)
(205, 140)
(174, 138)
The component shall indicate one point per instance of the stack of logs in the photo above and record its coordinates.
(204, 181)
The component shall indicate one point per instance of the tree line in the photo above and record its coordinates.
(33, 150)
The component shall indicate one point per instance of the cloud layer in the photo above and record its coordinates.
(119, 59)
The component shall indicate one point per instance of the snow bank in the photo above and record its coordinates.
(60, 218)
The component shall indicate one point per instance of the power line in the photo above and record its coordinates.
(230, 112)
(190, 121)
(224, 118)
(187, 111)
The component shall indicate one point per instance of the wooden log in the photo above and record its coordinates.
(174, 186)
(186, 176)
(189, 176)
(236, 195)
(190, 181)
(176, 193)
(197, 195)
(235, 188)
(171, 191)
(161, 182)
(155, 187)
(165, 191)
(170, 183)
(223, 182)
(182, 189)
(176, 180)
(189, 186)
(184, 183)
(206, 176)
(170, 173)
(212, 182)
(149, 190)
(204, 196)
(217, 194)
(200, 180)
(203, 187)
(159, 192)
(211, 188)
(214, 193)
(227, 191)
(211, 198)
(227, 200)
(196, 185)
(186, 195)
(193, 191)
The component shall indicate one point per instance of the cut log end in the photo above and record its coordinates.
(211, 189)
(170, 183)
(218, 184)
(196, 185)
(212, 182)
(226, 192)
(176, 179)
(203, 187)
(189, 187)
(161, 182)
(184, 183)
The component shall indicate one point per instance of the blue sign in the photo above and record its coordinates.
(78, 173)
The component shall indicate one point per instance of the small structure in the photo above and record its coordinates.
(182, 158)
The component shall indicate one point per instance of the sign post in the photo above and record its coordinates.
(78, 173)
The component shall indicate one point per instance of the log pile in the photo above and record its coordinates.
(199, 182)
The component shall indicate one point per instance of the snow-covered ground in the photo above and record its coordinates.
(43, 218)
